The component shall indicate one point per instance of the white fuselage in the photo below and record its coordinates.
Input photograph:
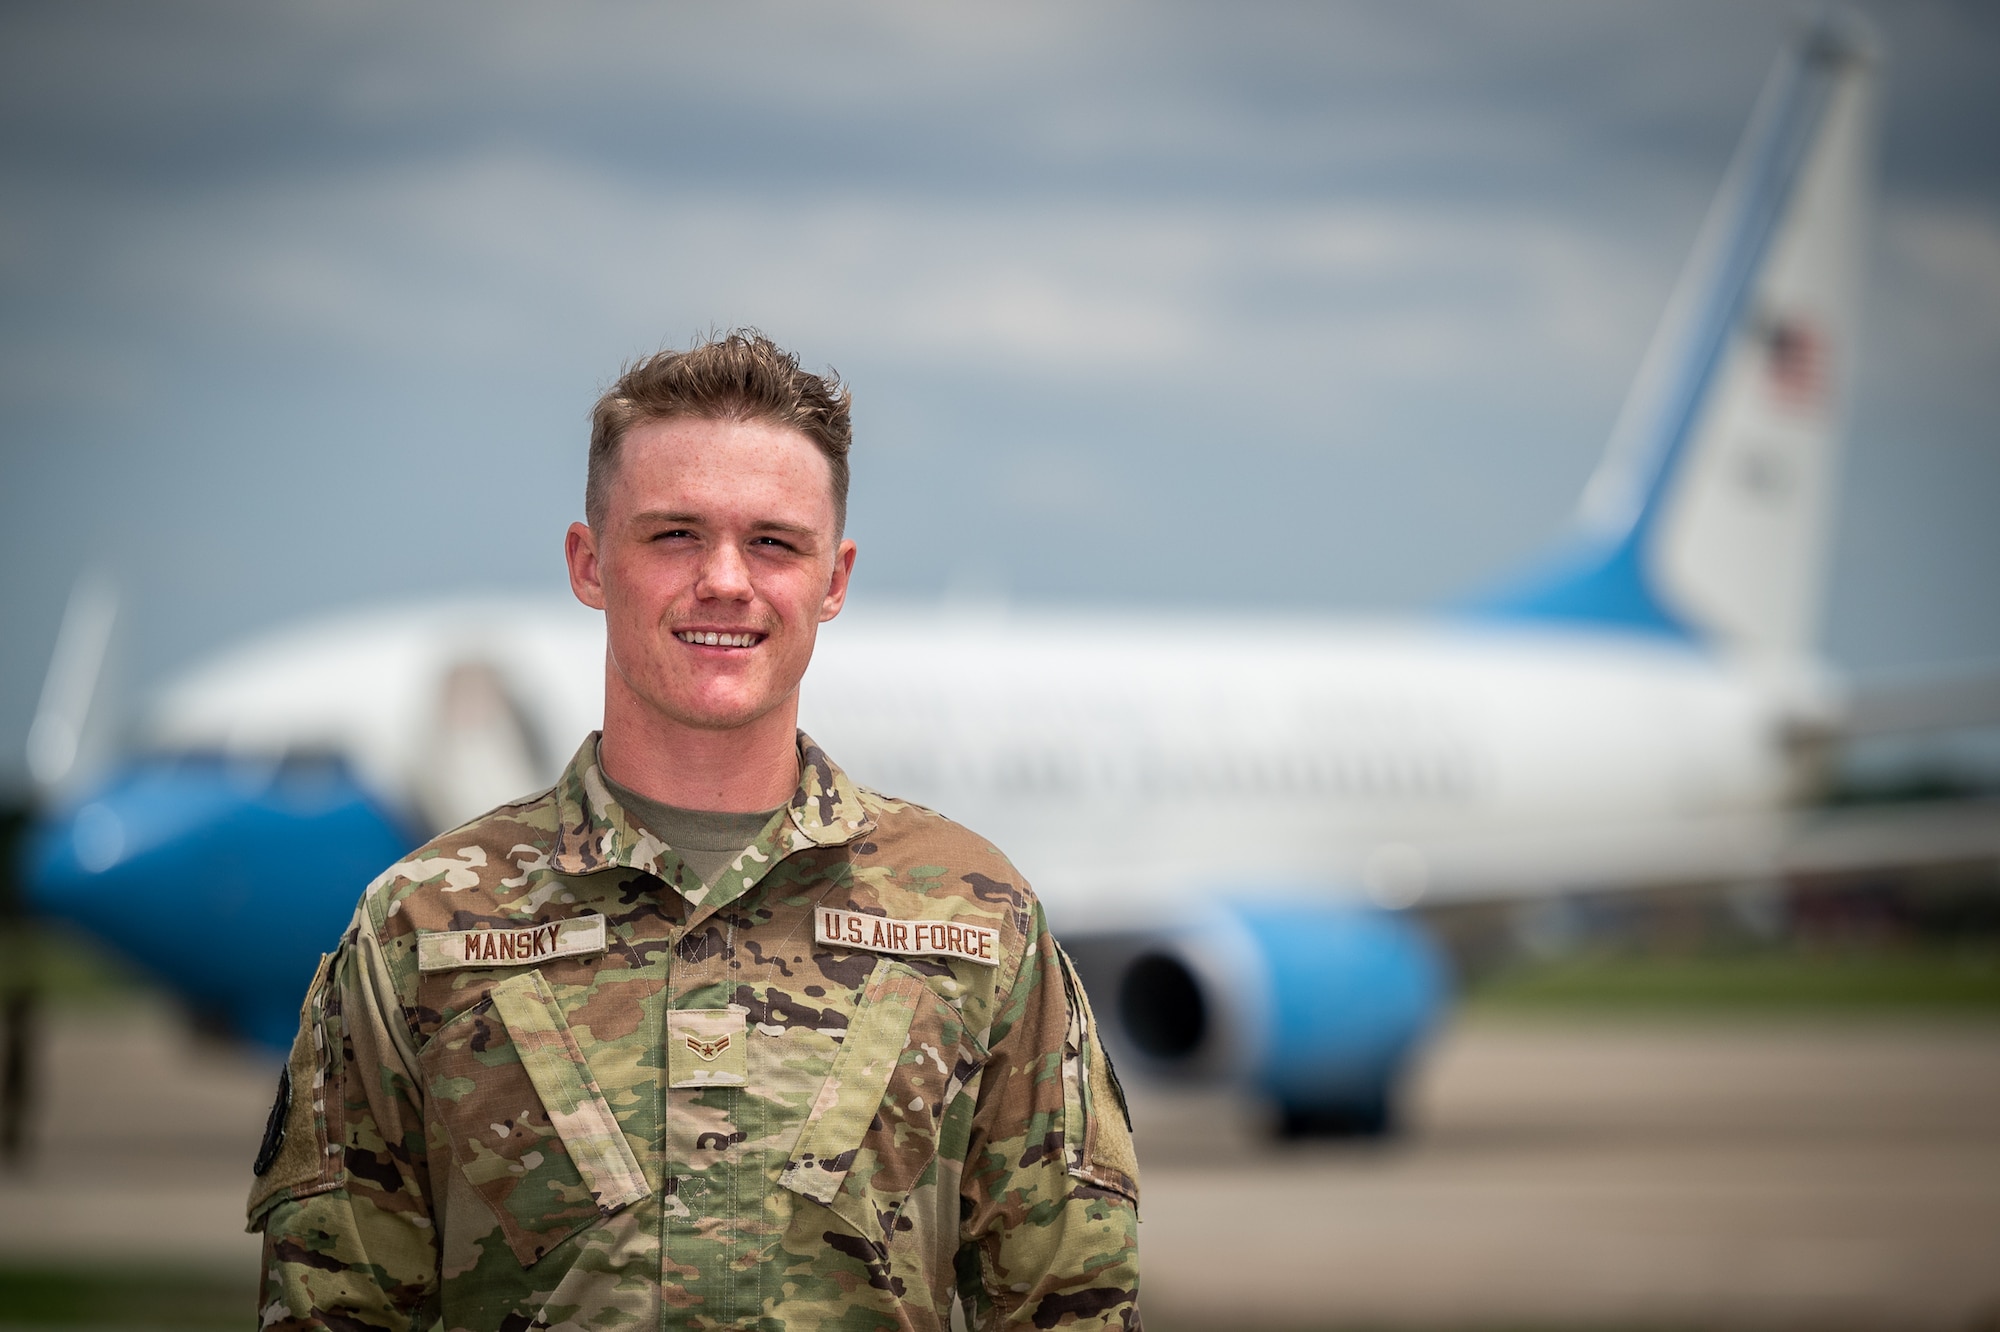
(1127, 765)
(1123, 762)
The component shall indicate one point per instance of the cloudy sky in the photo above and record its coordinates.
(1314, 305)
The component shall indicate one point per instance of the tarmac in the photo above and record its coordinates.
(1606, 1175)
(1576, 1173)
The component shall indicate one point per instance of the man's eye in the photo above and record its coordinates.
(673, 533)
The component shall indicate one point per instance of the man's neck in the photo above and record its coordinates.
(747, 768)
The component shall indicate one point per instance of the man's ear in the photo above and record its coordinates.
(586, 575)
(836, 588)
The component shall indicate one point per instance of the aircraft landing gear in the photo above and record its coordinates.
(1352, 1120)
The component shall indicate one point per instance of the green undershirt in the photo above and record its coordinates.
(707, 840)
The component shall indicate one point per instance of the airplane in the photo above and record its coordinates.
(1237, 823)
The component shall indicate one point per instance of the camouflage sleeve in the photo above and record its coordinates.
(1051, 1186)
(345, 1204)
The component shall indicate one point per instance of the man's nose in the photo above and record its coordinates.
(724, 575)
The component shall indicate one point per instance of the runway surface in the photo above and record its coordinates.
(1636, 1175)
(1559, 1174)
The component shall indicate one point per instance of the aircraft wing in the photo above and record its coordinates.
(1693, 852)
(1928, 703)
(1853, 839)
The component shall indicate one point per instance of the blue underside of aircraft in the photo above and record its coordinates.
(226, 880)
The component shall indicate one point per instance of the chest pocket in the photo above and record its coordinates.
(527, 1122)
(873, 1130)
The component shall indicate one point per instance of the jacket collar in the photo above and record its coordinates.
(594, 832)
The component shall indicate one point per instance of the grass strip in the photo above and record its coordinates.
(1962, 981)
(126, 1298)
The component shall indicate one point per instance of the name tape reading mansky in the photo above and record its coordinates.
(442, 950)
(879, 934)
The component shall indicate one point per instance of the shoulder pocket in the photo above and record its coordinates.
(873, 1130)
(526, 1121)
(1097, 1127)
(301, 1151)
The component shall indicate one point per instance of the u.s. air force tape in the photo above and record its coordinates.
(879, 934)
(442, 950)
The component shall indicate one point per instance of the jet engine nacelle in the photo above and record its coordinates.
(1317, 1007)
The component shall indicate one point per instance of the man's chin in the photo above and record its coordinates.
(721, 714)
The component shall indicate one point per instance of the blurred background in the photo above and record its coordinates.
(1300, 307)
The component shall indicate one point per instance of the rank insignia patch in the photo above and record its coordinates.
(708, 1049)
(705, 1047)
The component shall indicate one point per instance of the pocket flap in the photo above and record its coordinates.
(853, 1091)
(569, 1093)
(524, 1119)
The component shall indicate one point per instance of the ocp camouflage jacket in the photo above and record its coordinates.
(549, 1080)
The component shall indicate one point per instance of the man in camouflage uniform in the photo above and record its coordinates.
(562, 1072)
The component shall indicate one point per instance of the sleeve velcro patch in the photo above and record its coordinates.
(1097, 1126)
(301, 1154)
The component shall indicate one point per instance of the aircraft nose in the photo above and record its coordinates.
(224, 879)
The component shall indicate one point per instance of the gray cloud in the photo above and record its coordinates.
(1310, 305)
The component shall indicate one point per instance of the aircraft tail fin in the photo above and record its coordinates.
(1708, 518)
(70, 714)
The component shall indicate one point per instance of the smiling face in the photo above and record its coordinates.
(716, 563)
